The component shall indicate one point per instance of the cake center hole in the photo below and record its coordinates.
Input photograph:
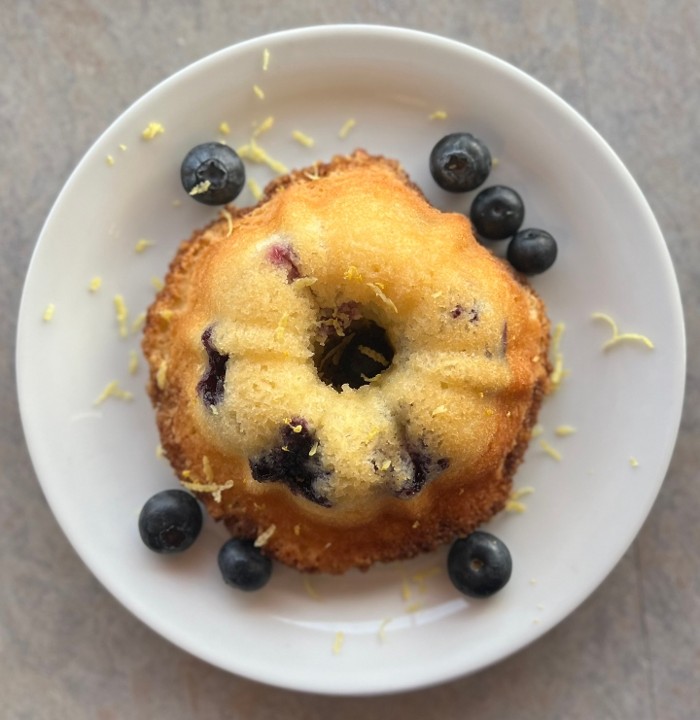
(354, 358)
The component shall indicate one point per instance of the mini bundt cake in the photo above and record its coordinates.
(342, 371)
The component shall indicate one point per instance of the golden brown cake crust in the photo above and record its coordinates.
(487, 417)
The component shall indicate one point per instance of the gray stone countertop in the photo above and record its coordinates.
(67, 648)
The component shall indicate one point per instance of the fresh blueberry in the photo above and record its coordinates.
(460, 162)
(170, 521)
(497, 212)
(532, 251)
(243, 566)
(479, 565)
(212, 173)
(211, 386)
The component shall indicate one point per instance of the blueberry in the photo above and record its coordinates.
(479, 565)
(425, 466)
(460, 162)
(219, 166)
(170, 521)
(243, 566)
(497, 212)
(211, 386)
(532, 251)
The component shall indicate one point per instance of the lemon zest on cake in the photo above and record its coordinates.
(314, 449)
(381, 632)
(266, 59)
(200, 188)
(564, 430)
(371, 435)
(558, 372)
(214, 409)
(152, 130)
(281, 327)
(303, 282)
(536, 431)
(166, 315)
(308, 586)
(255, 153)
(348, 125)
(552, 452)
(314, 175)
(213, 489)
(224, 128)
(109, 160)
(439, 410)
(133, 362)
(303, 138)
(379, 292)
(162, 375)
(229, 221)
(338, 641)
(438, 115)
(49, 313)
(352, 273)
(373, 355)
(122, 315)
(634, 462)
(259, 92)
(436, 295)
(262, 539)
(139, 320)
(385, 465)
(95, 284)
(112, 390)
(617, 336)
(142, 245)
(264, 126)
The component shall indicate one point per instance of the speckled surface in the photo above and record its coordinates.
(67, 649)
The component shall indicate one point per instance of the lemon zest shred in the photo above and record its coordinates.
(255, 153)
(200, 188)
(229, 221)
(264, 126)
(152, 130)
(112, 390)
(133, 362)
(142, 245)
(308, 586)
(558, 372)
(352, 273)
(552, 452)
(214, 489)
(564, 430)
(314, 175)
(385, 465)
(420, 578)
(224, 128)
(159, 451)
(95, 284)
(162, 375)
(536, 431)
(139, 320)
(281, 327)
(263, 538)
(338, 641)
(259, 92)
(207, 469)
(379, 292)
(617, 336)
(522, 492)
(405, 588)
(303, 282)
(109, 160)
(438, 115)
(122, 147)
(49, 313)
(314, 449)
(439, 410)
(254, 188)
(348, 125)
(122, 315)
(515, 506)
(373, 355)
(381, 632)
(157, 283)
(303, 138)
(634, 462)
(266, 59)
(414, 607)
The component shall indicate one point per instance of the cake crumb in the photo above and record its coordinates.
(95, 284)
(112, 390)
(122, 315)
(348, 125)
(416, 524)
(303, 138)
(564, 430)
(338, 641)
(142, 245)
(259, 92)
(438, 115)
(263, 538)
(152, 130)
(265, 60)
(224, 128)
(49, 313)
(617, 336)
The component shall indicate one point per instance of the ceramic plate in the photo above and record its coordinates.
(399, 626)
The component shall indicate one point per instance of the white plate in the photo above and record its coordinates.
(97, 464)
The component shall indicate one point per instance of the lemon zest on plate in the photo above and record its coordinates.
(112, 390)
(617, 336)
(152, 130)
